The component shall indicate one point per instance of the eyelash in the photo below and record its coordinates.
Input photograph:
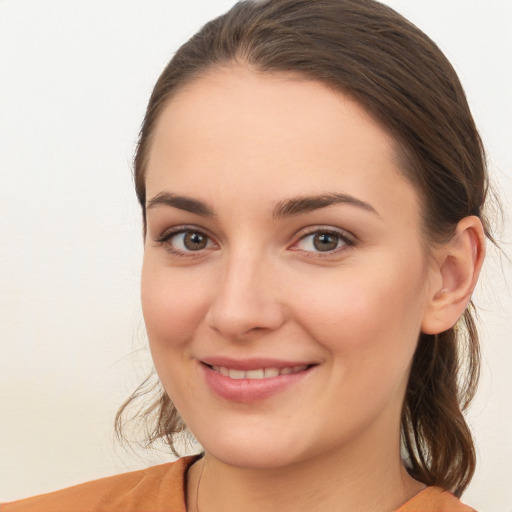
(164, 240)
(346, 239)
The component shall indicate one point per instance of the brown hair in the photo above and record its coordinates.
(368, 51)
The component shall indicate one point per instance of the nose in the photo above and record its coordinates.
(246, 299)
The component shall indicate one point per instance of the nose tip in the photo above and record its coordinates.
(245, 305)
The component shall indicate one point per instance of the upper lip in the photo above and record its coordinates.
(252, 363)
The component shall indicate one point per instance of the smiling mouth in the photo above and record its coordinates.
(253, 380)
(259, 373)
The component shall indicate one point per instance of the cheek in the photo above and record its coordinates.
(172, 303)
(369, 324)
(367, 315)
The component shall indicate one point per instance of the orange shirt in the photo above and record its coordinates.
(162, 489)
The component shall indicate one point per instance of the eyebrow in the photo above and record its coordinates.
(182, 203)
(286, 208)
(305, 204)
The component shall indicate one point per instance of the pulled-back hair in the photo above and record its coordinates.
(369, 52)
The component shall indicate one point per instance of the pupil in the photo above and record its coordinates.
(325, 242)
(194, 241)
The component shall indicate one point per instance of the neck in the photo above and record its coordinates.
(347, 480)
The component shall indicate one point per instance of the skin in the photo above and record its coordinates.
(242, 143)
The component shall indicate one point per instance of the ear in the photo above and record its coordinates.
(455, 271)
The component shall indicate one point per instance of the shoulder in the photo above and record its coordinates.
(434, 499)
(155, 489)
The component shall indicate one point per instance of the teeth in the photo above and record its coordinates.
(255, 374)
(236, 374)
(260, 373)
(271, 372)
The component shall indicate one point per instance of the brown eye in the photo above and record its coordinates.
(325, 241)
(194, 241)
(186, 241)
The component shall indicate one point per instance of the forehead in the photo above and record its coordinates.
(271, 135)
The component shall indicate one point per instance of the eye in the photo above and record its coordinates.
(185, 241)
(323, 241)
(190, 241)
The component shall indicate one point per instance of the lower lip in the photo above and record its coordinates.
(250, 390)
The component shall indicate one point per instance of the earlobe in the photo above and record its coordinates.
(457, 270)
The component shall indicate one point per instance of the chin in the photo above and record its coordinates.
(260, 451)
(251, 458)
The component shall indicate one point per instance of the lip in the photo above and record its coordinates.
(251, 390)
(253, 363)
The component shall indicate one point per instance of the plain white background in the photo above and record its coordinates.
(75, 76)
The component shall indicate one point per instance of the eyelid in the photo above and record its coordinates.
(348, 239)
(169, 233)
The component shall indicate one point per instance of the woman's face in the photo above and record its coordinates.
(284, 282)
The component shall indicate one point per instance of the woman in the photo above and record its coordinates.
(312, 186)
